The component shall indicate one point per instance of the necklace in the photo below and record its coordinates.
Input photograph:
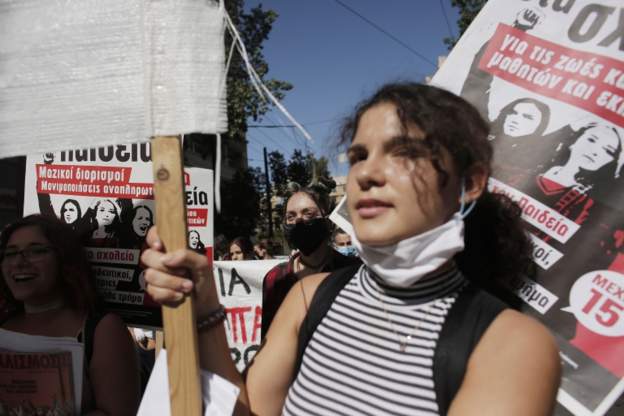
(403, 341)
(55, 304)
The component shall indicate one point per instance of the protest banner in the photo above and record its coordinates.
(106, 196)
(239, 285)
(549, 77)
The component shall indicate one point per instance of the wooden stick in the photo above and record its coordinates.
(159, 341)
(178, 323)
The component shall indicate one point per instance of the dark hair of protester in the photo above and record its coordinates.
(74, 268)
(64, 209)
(496, 246)
(245, 249)
(321, 199)
(509, 109)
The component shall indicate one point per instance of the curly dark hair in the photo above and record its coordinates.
(497, 246)
(74, 269)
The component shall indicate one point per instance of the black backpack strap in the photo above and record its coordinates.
(471, 314)
(321, 302)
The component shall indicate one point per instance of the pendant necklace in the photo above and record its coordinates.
(403, 341)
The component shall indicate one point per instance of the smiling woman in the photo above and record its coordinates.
(412, 331)
(47, 284)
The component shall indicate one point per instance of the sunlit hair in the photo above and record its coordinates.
(321, 199)
(74, 270)
(497, 247)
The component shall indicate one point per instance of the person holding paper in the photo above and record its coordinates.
(47, 284)
(412, 331)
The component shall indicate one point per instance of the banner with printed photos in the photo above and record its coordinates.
(549, 77)
(106, 196)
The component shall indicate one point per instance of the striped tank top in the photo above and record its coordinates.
(373, 352)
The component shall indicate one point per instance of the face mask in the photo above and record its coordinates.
(406, 262)
(347, 251)
(306, 236)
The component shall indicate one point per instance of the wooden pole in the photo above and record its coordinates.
(178, 323)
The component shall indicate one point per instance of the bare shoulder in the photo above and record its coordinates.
(110, 324)
(528, 334)
(312, 282)
(516, 358)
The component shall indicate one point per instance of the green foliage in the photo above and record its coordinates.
(468, 10)
(243, 100)
(240, 205)
(299, 168)
(279, 175)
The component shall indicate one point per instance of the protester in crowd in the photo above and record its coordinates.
(46, 281)
(410, 331)
(262, 249)
(307, 230)
(195, 243)
(342, 243)
(241, 249)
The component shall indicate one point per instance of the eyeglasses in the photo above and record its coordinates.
(31, 254)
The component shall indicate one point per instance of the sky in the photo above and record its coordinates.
(334, 58)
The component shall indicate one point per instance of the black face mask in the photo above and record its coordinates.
(306, 236)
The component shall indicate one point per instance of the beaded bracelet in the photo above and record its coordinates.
(213, 318)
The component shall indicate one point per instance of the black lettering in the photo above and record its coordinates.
(237, 280)
(598, 13)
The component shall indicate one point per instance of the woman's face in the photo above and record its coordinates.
(70, 213)
(391, 196)
(193, 239)
(141, 222)
(236, 253)
(300, 207)
(522, 120)
(595, 148)
(32, 275)
(106, 213)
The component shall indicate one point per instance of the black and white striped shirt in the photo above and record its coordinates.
(353, 363)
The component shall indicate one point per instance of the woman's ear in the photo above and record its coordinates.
(476, 182)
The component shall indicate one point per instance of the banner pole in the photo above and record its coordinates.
(179, 322)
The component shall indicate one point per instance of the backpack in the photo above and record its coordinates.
(469, 317)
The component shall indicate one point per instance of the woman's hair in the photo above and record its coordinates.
(200, 245)
(76, 204)
(321, 199)
(145, 207)
(245, 245)
(74, 272)
(497, 246)
(497, 124)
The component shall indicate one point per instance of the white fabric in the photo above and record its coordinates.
(219, 395)
(91, 72)
(406, 262)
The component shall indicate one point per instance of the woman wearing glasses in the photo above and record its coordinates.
(420, 159)
(307, 230)
(47, 286)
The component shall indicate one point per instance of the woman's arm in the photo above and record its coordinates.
(114, 369)
(271, 373)
(514, 370)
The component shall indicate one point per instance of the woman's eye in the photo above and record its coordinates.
(356, 157)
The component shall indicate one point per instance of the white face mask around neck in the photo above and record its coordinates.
(404, 263)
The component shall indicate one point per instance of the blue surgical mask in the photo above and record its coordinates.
(347, 251)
